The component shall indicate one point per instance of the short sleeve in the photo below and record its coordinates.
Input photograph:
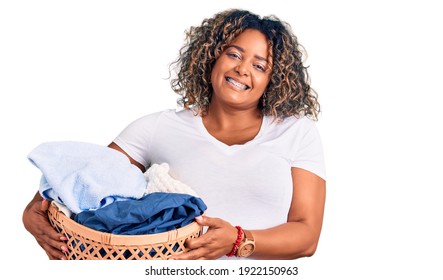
(308, 151)
(135, 139)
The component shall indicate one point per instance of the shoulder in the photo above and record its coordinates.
(169, 118)
(291, 125)
(302, 121)
(166, 114)
(156, 115)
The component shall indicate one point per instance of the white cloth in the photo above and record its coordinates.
(86, 176)
(62, 208)
(248, 185)
(159, 180)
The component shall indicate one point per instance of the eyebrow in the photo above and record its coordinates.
(243, 50)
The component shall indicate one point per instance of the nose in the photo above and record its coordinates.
(241, 68)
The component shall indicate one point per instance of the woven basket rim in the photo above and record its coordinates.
(71, 226)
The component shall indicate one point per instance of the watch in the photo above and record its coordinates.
(247, 246)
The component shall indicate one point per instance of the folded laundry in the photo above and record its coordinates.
(159, 180)
(154, 213)
(85, 176)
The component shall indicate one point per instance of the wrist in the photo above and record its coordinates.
(246, 246)
(237, 242)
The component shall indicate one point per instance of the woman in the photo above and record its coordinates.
(246, 142)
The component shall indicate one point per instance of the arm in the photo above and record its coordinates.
(294, 239)
(116, 147)
(299, 236)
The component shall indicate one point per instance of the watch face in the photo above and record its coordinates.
(246, 250)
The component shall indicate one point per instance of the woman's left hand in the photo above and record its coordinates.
(218, 241)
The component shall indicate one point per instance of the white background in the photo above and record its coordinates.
(82, 70)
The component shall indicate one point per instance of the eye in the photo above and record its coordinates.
(234, 55)
(260, 67)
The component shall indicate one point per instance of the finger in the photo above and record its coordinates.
(53, 236)
(53, 250)
(54, 244)
(189, 255)
(45, 205)
(50, 256)
(208, 221)
(51, 240)
(53, 253)
(47, 233)
(52, 247)
(202, 241)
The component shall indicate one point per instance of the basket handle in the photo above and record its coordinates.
(106, 237)
(172, 234)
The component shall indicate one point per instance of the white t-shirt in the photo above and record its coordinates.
(248, 185)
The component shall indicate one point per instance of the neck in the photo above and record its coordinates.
(228, 118)
(233, 126)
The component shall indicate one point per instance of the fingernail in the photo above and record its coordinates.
(64, 238)
(64, 249)
(199, 218)
(63, 258)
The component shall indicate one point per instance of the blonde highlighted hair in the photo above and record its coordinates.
(288, 92)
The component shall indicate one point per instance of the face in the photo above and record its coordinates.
(242, 72)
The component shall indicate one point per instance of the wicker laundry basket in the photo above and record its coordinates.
(88, 244)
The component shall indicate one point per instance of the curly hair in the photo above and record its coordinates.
(288, 92)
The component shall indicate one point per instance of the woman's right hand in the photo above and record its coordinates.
(35, 220)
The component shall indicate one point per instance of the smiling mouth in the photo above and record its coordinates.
(237, 84)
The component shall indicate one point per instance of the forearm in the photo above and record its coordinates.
(288, 241)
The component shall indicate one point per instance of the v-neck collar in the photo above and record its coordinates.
(225, 147)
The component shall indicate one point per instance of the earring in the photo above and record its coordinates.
(263, 100)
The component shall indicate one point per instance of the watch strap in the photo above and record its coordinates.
(247, 242)
(248, 235)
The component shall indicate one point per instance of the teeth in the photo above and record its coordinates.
(237, 84)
